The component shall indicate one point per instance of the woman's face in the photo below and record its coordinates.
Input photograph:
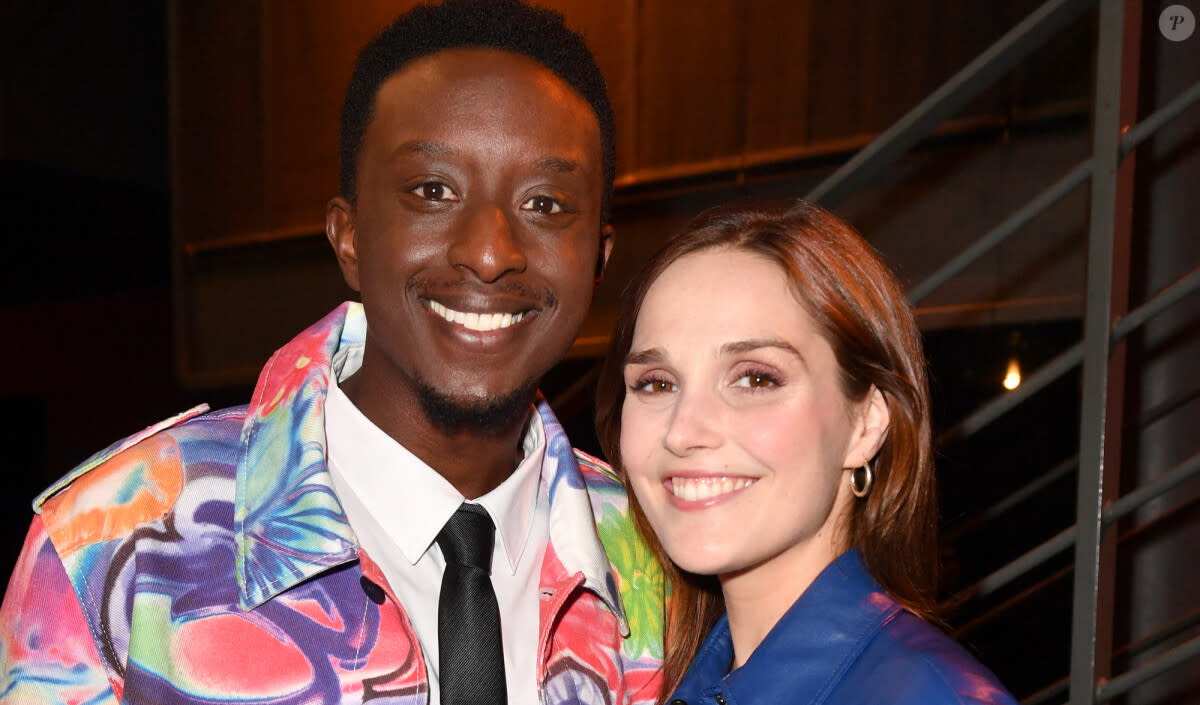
(735, 432)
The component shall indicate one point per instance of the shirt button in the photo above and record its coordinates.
(677, 701)
(720, 699)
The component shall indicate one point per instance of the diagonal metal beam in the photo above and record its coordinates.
(1162, 300)
(1125, 682)
(1063, 363)
(1145, 128)
(974, 78)
(1055, 193)
(1066, 538)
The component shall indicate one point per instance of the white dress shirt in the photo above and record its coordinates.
(397, 504)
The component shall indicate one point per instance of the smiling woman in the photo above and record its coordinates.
(765, 396)
(738, 428)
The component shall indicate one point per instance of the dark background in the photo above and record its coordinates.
(89, 334)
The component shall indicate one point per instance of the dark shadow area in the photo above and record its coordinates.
(975, 473)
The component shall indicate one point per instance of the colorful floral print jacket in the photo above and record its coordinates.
(207, 560)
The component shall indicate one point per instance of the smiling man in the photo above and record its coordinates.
(396, 516)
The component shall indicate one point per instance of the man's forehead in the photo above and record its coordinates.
(471, 63)
(484, 90)
(420, 147)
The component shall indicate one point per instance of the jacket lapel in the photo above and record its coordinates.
(575, 546)
(289, 525)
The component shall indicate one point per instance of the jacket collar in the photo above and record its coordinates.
(289, 525)
(815, 640)
(573, 531)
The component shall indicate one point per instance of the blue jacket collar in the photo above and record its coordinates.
(815, 640)
(289, 523)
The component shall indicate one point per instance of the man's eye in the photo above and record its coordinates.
(542, 204)
(435, 191)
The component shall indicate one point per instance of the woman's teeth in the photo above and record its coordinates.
(698, 488)
(476, 321)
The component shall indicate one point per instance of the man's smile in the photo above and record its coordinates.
(476, 321)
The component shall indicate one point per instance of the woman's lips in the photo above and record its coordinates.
(697, 492)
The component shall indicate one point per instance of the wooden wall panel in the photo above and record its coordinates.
(965, 30)
(610, 29)
(308, 54)
(1060, 72)
(872, 61)
(898, 68)
(216, 129)
(700, 91)
(690, 82)
(778, 40)
(835, 70)
(258, 88)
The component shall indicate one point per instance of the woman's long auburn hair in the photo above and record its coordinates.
(860, 309)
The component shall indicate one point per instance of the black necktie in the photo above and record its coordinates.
(471, 657)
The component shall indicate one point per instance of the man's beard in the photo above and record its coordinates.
(490, 416)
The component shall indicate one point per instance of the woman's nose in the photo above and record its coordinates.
(693, 425)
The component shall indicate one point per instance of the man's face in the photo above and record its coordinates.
(476, 232)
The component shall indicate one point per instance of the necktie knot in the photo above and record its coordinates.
(468, 537)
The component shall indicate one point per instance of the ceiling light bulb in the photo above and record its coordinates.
(1012, 377)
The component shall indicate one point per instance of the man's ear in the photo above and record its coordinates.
(871, 430)
(606, 246)
(339, 229)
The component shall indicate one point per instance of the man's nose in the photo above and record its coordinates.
(488, 245)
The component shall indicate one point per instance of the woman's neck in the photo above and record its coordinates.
(757, 598)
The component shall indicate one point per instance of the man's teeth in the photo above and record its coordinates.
(697, 488)
(476, 321)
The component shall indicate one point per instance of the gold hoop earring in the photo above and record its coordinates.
(861, 488)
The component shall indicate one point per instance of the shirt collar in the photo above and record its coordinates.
(378, 469)
(835, 618)
(511, 504)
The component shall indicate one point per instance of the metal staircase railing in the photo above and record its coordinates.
(1106, 326)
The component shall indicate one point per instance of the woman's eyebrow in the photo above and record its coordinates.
(645, 357)
(745, 346)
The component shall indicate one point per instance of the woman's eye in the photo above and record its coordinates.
(542, 204)
(654, 386)
(435, 191)
(755, 380)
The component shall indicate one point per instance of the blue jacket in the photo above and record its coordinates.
(844, 641)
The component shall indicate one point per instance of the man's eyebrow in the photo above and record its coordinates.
(426, 147)
(745, 346)
(558, 164)
(644, 357)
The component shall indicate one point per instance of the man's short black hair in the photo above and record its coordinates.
(510, 25)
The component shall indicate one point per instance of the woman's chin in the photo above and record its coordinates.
(706, 562)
